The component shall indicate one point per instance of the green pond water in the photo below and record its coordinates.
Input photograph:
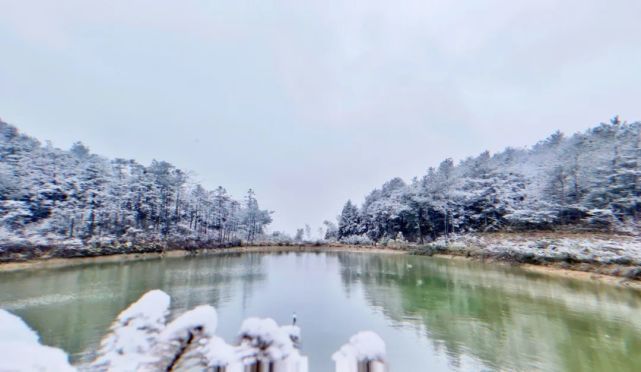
(434, 314)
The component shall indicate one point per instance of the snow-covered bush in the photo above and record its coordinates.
(357, 240)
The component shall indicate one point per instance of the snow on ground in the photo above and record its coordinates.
(599, 248)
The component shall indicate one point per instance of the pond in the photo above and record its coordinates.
(434, 314)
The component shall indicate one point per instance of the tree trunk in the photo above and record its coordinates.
(71, 227)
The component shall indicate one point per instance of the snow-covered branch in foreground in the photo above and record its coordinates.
(265, 344)
(179, 345)
(21, 349)
(140, 340)
(222, 357)
(134, 333)
(365, 351)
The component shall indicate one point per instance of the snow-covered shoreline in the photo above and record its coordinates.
(587, 248)
(612, 255)
(53, 262)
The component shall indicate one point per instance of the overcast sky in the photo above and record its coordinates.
(314, 102)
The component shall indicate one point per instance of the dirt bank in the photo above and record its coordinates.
(612, 258)
(124, 257)
(586, 272)
(499, 249)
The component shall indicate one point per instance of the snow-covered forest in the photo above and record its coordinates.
(57, 198)
(587, 181)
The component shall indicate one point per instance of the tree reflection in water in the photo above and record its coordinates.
(505, 317)
(81, 301)
(436, 313)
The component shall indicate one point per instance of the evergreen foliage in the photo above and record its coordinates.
(589, 181)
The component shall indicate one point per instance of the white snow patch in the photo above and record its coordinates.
(596, 248)
(14, 329)
(265, 334)
(364, 346)
(203, 318)
(25, 357)
(151, 307)
(220, 354)
(293, 332)
(134, 332)
(21, 350)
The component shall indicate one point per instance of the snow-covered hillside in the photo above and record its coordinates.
(68, 200)
(589, 181)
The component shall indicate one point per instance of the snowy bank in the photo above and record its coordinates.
(618, 255)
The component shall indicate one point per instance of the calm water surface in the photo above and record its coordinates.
(434, 314)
